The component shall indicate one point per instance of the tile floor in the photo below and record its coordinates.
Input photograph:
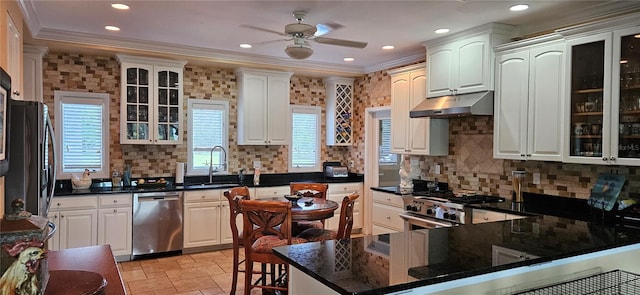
(189, 274)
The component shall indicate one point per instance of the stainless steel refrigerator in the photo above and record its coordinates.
(31, 153)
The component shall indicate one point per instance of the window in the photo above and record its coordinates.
(385, 157)
(304, 150)
(208, 128)
(82, 131)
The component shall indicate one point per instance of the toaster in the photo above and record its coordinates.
(336, 171)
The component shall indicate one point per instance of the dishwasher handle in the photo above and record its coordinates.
(158, 198)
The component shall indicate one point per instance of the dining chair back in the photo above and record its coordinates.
(234, 196)
(267, 224)
(309, 189)
(344, 226)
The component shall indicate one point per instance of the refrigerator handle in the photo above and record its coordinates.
(52, 181)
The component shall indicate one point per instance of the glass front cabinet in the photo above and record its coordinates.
(604, 98)
(151, 103)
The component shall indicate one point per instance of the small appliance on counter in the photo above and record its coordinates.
(334, 169)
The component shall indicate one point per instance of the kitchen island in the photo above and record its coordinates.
(472, 256)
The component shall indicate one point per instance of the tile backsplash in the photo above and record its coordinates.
(463, 168)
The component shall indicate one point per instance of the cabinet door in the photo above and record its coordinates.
(625, 119)
(545, 110)
(472, 66)
(278, 113)
(226, 236)
(418, 128)
(14, 60)
(253, 128)
(201, 224)
(388, 216)
(78, 228)
(441, 62)
(136, 105)
(510, 110)
(167, 105)
(589, 100)
(115, 229)
(400, 104)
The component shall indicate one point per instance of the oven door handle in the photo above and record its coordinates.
(423, 222)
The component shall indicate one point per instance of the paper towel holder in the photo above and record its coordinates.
(179, 173)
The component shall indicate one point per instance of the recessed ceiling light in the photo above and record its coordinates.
(112, 28)
(441, 31)
(245, 45)
(388, 47)
(120, 6)
(624, 61)
(349, 59)
(519, 7)
(636, 36)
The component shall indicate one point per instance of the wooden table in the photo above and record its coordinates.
(98, 259)
(319, 210)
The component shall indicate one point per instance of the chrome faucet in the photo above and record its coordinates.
(224, 161)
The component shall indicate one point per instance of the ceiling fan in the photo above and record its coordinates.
(300, 33)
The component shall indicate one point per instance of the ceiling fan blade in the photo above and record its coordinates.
(265, 30)
(340, 42)
(324, 28)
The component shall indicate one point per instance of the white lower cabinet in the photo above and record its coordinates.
(76, 220)
(337, 192)
(206, 219)
(115, 223)
(270, 192)
(386, 212)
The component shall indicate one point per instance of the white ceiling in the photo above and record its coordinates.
(210, 31)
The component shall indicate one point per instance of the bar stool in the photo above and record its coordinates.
(234, 196)
(309, 189)
(267, 224)
(344, 227)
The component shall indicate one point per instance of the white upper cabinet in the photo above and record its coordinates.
(151, 108)
(414, 136)
(603, 93)
(339, 110)
(263, 107)
(463, 62)
(528, 104)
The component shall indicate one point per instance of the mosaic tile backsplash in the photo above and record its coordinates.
(91, 73)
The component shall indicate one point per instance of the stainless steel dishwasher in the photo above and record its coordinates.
(157, 222)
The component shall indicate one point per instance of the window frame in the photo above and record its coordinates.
(316, 110)
(75, 97)
(191, 102)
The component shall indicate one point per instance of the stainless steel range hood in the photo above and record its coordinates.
(477, 103)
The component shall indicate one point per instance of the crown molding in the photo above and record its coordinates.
(415, 57)
(30, 16)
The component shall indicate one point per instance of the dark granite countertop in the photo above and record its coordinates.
(63, 187)
(356, 267)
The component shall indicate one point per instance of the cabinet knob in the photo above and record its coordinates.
(528, 155)
(115, 201)
(61, 216)
(604, 159)
(16, 92)
(612, 158)
(389, 217)
(59, 204)
(115, 210)
(521, 155)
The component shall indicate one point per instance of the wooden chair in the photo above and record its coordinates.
(309, 189)
(234, 196)
(344, 227)
(267, 224)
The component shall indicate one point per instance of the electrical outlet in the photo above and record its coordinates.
(536, 178)
(352, 164)
(257, 164)
(437, 169)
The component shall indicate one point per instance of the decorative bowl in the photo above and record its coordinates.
(293, 198)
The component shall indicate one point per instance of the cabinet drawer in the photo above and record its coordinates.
(386, 198)
(203, 195)
(74, 203)
(119, 200)
(345, 188)
(271, 192)
(388, 216)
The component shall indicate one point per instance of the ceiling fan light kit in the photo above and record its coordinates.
(298, 51)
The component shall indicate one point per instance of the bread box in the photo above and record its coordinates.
(23, 244)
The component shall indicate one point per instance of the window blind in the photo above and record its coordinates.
(82, 137)
(208, 130)
(384, 153)
(304, 143)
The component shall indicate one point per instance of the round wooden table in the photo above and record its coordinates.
(318, 210)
